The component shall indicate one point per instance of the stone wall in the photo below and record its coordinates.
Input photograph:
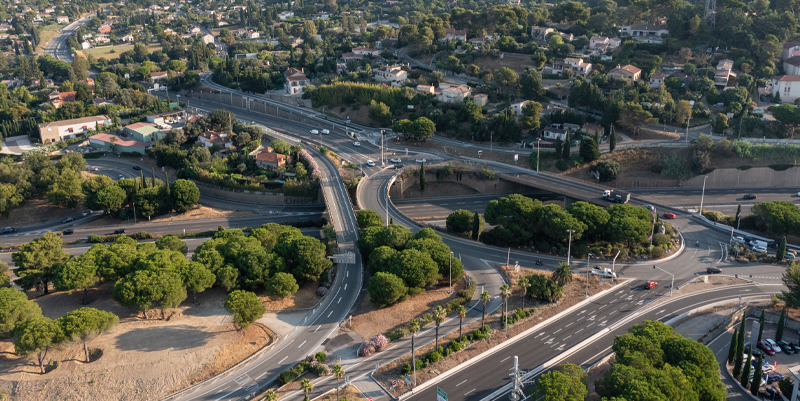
(756, 177)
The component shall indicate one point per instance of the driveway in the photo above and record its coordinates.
(16, 145)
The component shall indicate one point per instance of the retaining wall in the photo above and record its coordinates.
(267, 198)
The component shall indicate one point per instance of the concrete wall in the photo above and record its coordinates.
(259, 106)
(470, 179)
(267, 198)
(756, 177)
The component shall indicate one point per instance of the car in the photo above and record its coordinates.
(772, 244)
(758, 110)
(67, 220)
(650, 284)
(314, 132)
(759, 249)
(650, 208)
(713, 270)
(7, 230)
(119, 231)
(121, 176)
(421, 160)
(93, 168)
(326, 132)
(773, 344)
(67, 231)
(762, 345)
(785, 347)
(137, 168)
(756, 353)
(773, 377)
(774, 392)
(398, 166)
(789, 256)
(792, 251)
(794, 347)
(738, 239)
(356, 144)
(395, 160)
(669, 215)
(370, 163)
(749, 197)
(87, 212)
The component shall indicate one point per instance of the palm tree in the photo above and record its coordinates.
(270, 396)
(524, 283)
(439, 314)
(338, 372)
(485, 297)
(462, 311)
(307, 386)
(504, 293)
(562, 274)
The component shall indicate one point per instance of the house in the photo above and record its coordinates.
(647, 33)
(113, 143)
(58, 130)
(366, 51)
(296, 80)
(592, 129)
(785, 86)
(152, 86)
(791, 66)
(425, 89)
(481, 99)
(554, 133)
(602, 44)
(320, 15)
(628, 72)
(211, 138)
(723, 72)
(208, 39)
(453, 34)
(448, 94)
(252, 35)
(104, 29)
(102, 102)
(351, 56)
(390, 73)
(477, 42)
(158, 75)
(168, 118)
(49, 10)
(144, 132)
(127, 38)
(269, 160)
(540, 33)
(577, 65)
(85, 45)
(195, 30)
(62, 19)
(58, 98)
(284, 15)
(790, 49)
(516, 107)
(656, 80)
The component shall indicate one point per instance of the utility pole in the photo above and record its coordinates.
(703, 194)
(673, 278)
(687, 130)
(517, 392)
(569, 247)
(537, 154)
(451, 272)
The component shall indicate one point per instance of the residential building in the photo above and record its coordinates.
(269, 160)
(127, 38)
(211, 138)
(58, 98)
(477, 42)
(296, 81)
(85, 45)
(390, 73)
(351, 56)
(592, 129)
(366, 51)
(208, 39)
(785, 86)
(62, 19)
(320, 15)
(455, 94)
(167, 118)
(628, 72)
(656, 80)
(104, 29)
(647, 33)
(158, 75)
(723, 72)
(602, 44)
(102, 101)
(284, 15)
(425, 89)
(113, 143)
(57, 130)
(252, 35)
(144, 132)
(791, 65)
(554, 133)
(516, 107)
(481, 99)
(790, 49)
(541, 32)
(453, 34)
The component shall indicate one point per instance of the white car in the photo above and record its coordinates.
(395, 160)
(370, 163)
(773, 344)
(121, 176)
(758, 110)
(737, 239)
(759, 249)
(421, 160)
(314, 132)
(356, 144)
(326, 132)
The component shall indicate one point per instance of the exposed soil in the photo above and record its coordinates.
(494, 64)
(439, 188)
(305, 297)
(370, 321)
(573, 294)
(37, 211)
(635, 164)
(141, 359)
(594, 375)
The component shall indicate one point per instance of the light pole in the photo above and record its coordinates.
(613, 262)
(537, 154)
(702, 195)
(569, 246)
(587, 275)
(673, 278)
(413, 359)
(687, 130)
(451, 272)
(491, 138)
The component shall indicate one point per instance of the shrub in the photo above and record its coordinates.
(95, 239)
(320, 369)
(380, 342)
(660, 239)
(434, 357)
(288, 376)
(407, 367)
(562, 165)
(321, 291)
(657, 252)
(320, 357)
(455, 345)
(786, 385)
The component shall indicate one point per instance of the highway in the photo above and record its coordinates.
(58, 47)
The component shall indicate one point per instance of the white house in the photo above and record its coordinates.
(211, 138)
(85, 45)
(516, 107)
(723, 72)
(253, 35)
(58, 130)
(296, 81)
(647, 33)
(455, 94)
(541, 32)
(284, 15)
(127, 38)
(62, 19)
(785, 86)
(453, 34)
(364, 51)
(554, 133)
(656, 80)
(390, 73)
(208, 39)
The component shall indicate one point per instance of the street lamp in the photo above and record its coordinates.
(673, 278)
(537, 154)
(451, 272)
(569, 247)
(703, 194)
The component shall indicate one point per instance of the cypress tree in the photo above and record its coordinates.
(737, 365)
(166, 177)
(476, 226)
(738, 215)
(391, 220)
(566, 146)
(734, 345)
(558, 148)
(760, 325)
(153, 183)
(745, 379)
(781, 324)
(781, 249)
(755, 385)
(422, 177)
(144, 183)
(612, 141)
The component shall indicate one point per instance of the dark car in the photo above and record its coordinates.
(774, 392)
(67, 220)
(773, 377)
(749, 197)
(119, 231)
(785, 347)
(67, 231)
(137, 168)
(398, 166)
(713, 270)
(772, 244)
(7, 230)
(795, 347)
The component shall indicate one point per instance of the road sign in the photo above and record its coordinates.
(440, 395)
(394, 383)
(516, 157)
(408, 379)
(370, 398)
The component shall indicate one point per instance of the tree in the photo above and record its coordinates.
(282, 285)
(459, 222)
(111, 199)
(77, 274)
(758, 374)
(144, 288)
(307, 387)
(271, 396)
(85, 324)
(683, 111)
(760, 325)
(733, 346)
(172, 243)
(505, 292)
(562, 274)
(737, 360)
(608, 170)
(633, 116)
(558, 386)
(380, 112)
(338, 373)
(524, 283)
(304, 256)
(530, 115)
(37, 336)
(15, 309)
(416, 268)
(38, 261)
(184, 194)
(720, 123)
(245, 307)
(368, 218)
(567, 146)
(781, 249)
(781, 326)
(612, 141)
(386, 289)
(422, 128)
(507, 79)
(745, 379)
(589, 149)
(196, 278)
(422, 177)
(462, 312)
(477, 226)
(439, 314)
(485, 297)
(531, 85)
(66, 189)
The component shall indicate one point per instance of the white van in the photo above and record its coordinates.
(760, 249)
(326, 132)
(758, 243)
(314, 132)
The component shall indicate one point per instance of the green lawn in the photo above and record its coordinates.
(112, 52)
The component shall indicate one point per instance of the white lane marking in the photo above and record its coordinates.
(505, 359)
(345, 286)
(461, 383)
(556, 332)
(470, 391)
(570, 324)
(340, 300)
(329, 314)
(317, 329)
(565, 338)
(281, 361)
(460, 203)
(301, 344)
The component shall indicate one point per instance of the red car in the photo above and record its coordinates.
(650, 284)
(669, 215)
(765, 347)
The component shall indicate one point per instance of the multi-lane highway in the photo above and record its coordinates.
(58, 47)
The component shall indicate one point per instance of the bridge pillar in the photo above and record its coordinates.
(567, 201)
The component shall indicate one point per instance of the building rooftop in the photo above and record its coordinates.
(81, 120)
(117, 140)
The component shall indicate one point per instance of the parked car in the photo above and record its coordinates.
(67, 220)
(749, 197)
(785, 347)
(398, 166)
(119, 231)
(762, 345)
(87, 212)
(356, 144)
(773, 344)
(669, 215)
(794, 347)
(395, 160)
(772, 244)
(650, 284)
(789, 256)
(760, 249)
(758, 110)
(421, 160)
(370, 163)
(67, 231)
(713, 270)
(7, 230)
(121, 176)
(326, 132)
(314, 132)
(774, 392)
(137, 168)
(738, 239)
(650, 208)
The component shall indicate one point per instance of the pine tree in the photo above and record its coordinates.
(760, 325)
(476, 227)
(755, 385)
(612, 141)
(734, 345)
(745, 378)
(567, 146)
(422, 177)
(781, 249)
(781, 324)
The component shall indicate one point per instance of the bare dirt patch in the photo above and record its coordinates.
(635, 164)
(305, 297)
(438, 188)
(37, 211)
(494, 64)
(573, 294)
(141, 359)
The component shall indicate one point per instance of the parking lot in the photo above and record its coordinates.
(780, 360)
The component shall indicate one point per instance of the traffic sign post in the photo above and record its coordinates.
(408, 379)
(394, 383)
(440, 395)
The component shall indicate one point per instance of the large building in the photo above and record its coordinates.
(647, 33)
(114, 143)
(144, 132)
(59, 130)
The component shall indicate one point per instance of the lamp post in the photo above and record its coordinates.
(569, 246)
(673, 278)
(687, 130)
(451, 272)
(537, 154)
(702, 195)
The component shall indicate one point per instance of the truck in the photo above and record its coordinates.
(615, 195)
(605, 272)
